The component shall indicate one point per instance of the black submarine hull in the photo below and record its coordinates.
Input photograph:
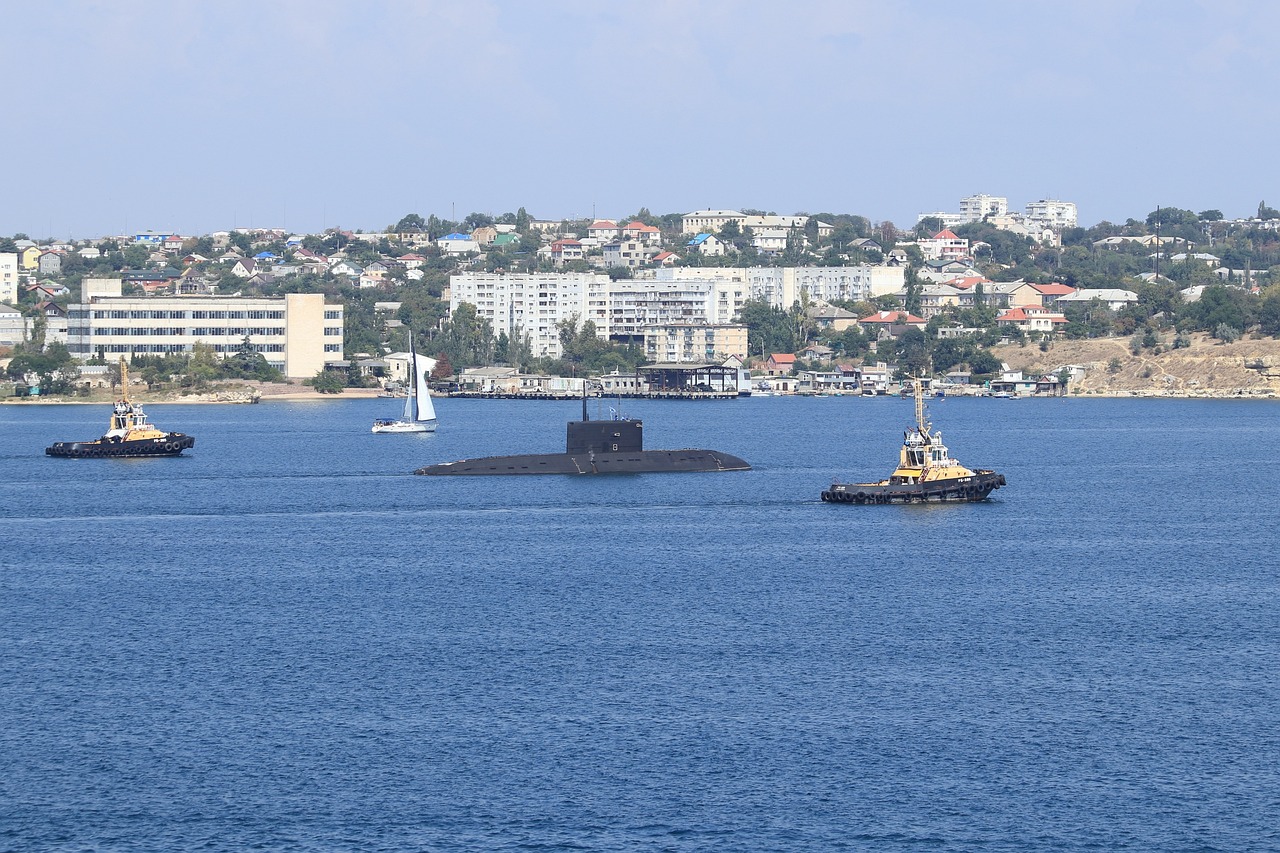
(622, 462)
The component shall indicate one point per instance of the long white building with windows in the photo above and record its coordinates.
(533, 305)
(297, 333)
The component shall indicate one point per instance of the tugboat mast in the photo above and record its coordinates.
(921, 423)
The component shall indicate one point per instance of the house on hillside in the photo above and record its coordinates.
(1113, 297)
(457, 244)
(706, 244)
(1032, 318)
(780, 364)
(826, 316)
(646, 234)
(890, 323)
(566, 251)
(604, 230)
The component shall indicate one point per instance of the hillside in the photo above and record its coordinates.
(1208, 368)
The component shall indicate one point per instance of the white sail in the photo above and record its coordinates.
(421, 393)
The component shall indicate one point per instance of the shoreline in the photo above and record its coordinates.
(373, 393)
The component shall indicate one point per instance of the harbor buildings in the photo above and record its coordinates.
(297, 332)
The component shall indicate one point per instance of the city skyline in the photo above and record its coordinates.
(193, 118)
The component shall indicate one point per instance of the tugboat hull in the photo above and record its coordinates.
(169, 445)
(627, 462)
(964, 490)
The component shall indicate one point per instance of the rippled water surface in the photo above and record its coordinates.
(283, 640)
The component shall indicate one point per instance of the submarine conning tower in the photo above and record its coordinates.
(620, 435)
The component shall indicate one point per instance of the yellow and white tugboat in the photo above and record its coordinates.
(130, 434)
(926, 472)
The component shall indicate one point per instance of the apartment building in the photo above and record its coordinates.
(534, 304)
(1052, 213)
(695, 342)
(8, 276)
(297, 333)
(973, 208)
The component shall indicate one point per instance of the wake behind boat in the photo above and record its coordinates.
(130, 434)
(419, 412)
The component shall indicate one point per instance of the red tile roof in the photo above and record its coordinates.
(892, 317)
(781, 358)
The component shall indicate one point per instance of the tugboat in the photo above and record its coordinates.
(614, 446)
(129, 435)
(926, 472)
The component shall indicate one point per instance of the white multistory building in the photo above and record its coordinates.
(975, 207)
(297, 333)
(535, 304)
(1051, 213)
(8, 276)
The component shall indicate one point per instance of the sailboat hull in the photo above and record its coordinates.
(389, 427)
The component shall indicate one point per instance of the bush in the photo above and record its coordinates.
(1226, 334)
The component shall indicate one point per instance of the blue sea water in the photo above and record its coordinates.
(284, 641)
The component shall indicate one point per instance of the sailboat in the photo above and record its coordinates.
(419, 414)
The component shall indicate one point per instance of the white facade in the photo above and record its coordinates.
(533, 304)
(1052, 213)
(12, 328)
(782, 287)
(975, 207)
(709, 220)
(8, 276)
(297, 333)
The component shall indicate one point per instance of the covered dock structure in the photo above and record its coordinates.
(689, 381)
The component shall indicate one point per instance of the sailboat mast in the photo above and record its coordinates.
(411, 409)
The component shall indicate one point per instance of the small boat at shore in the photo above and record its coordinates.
(926, 473)
(129, 434)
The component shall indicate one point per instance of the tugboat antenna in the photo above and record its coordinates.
(920, 421)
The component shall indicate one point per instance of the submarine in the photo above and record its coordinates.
(614, 446)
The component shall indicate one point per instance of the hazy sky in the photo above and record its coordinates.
(196, 116)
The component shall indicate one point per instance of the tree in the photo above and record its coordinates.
(1269, 313)
(408, 223)
(443, 368)
(984, 363)
(328, 382)
(1265, 212)
(912, 351)
(1210, 215)
(768, 329)
(52, 367)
